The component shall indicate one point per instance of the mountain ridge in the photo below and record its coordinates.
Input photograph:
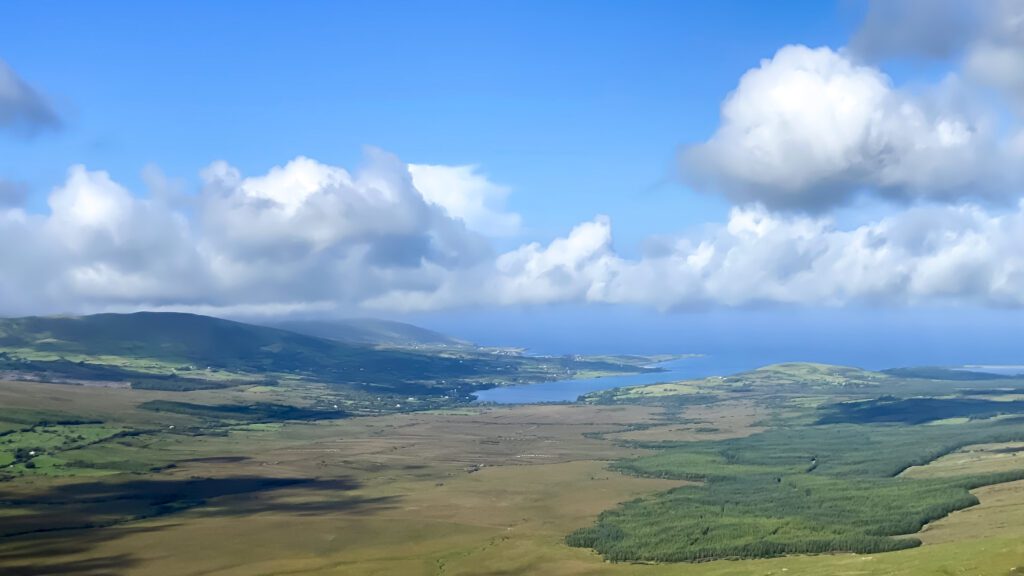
(173, 350)
(373, 331)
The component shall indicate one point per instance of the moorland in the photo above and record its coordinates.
(269, 455)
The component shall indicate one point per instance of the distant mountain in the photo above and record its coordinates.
(373, 331)
(172, 337)
(942, 373)
(187, 351)
(151, 342)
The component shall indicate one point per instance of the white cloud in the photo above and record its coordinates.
(312, 238)
(302, 234)
(566, 269)
(996, 56)
(467, 195)
(810, 128)
(22, 108)
(102, 242)
(919, 28)
(999, 65)
(315, 232)
(921, 255)
(985, 37)
(316, 206)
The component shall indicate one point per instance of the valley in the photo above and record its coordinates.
(260, 479)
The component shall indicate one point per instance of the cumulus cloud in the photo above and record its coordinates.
(467, 195)
(921, 255)
(307, 237)
(985, 37)
(22, 108)
(921, 28)
(1000, 65)
(565, 270)
(318, 232)
(315, 207)
(304, 233)
(810, 128)
(102, 243)
(996, 56)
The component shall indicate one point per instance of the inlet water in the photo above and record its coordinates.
(570, 390)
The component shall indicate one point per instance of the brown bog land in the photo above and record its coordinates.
(473, 491)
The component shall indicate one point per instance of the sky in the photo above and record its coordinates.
(835, 181)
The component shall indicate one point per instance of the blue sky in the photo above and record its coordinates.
(577, 106)
(817, 180)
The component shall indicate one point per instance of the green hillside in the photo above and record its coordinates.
(187, 351)
(941, 373)
(373, 331)
(170, 337)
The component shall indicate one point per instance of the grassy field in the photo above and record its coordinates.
(475, 490)
(972, 459)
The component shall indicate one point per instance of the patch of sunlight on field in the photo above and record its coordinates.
(810, 401)
(1001, 510)
(1001, 397)
(258, 427)
(948, 421)
(454, 412)
(966, 420)
(1001, 513)
(670, 389)
(974, 459)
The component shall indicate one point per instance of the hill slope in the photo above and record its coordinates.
(170, 337)
(374, 332)
(188, 347)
